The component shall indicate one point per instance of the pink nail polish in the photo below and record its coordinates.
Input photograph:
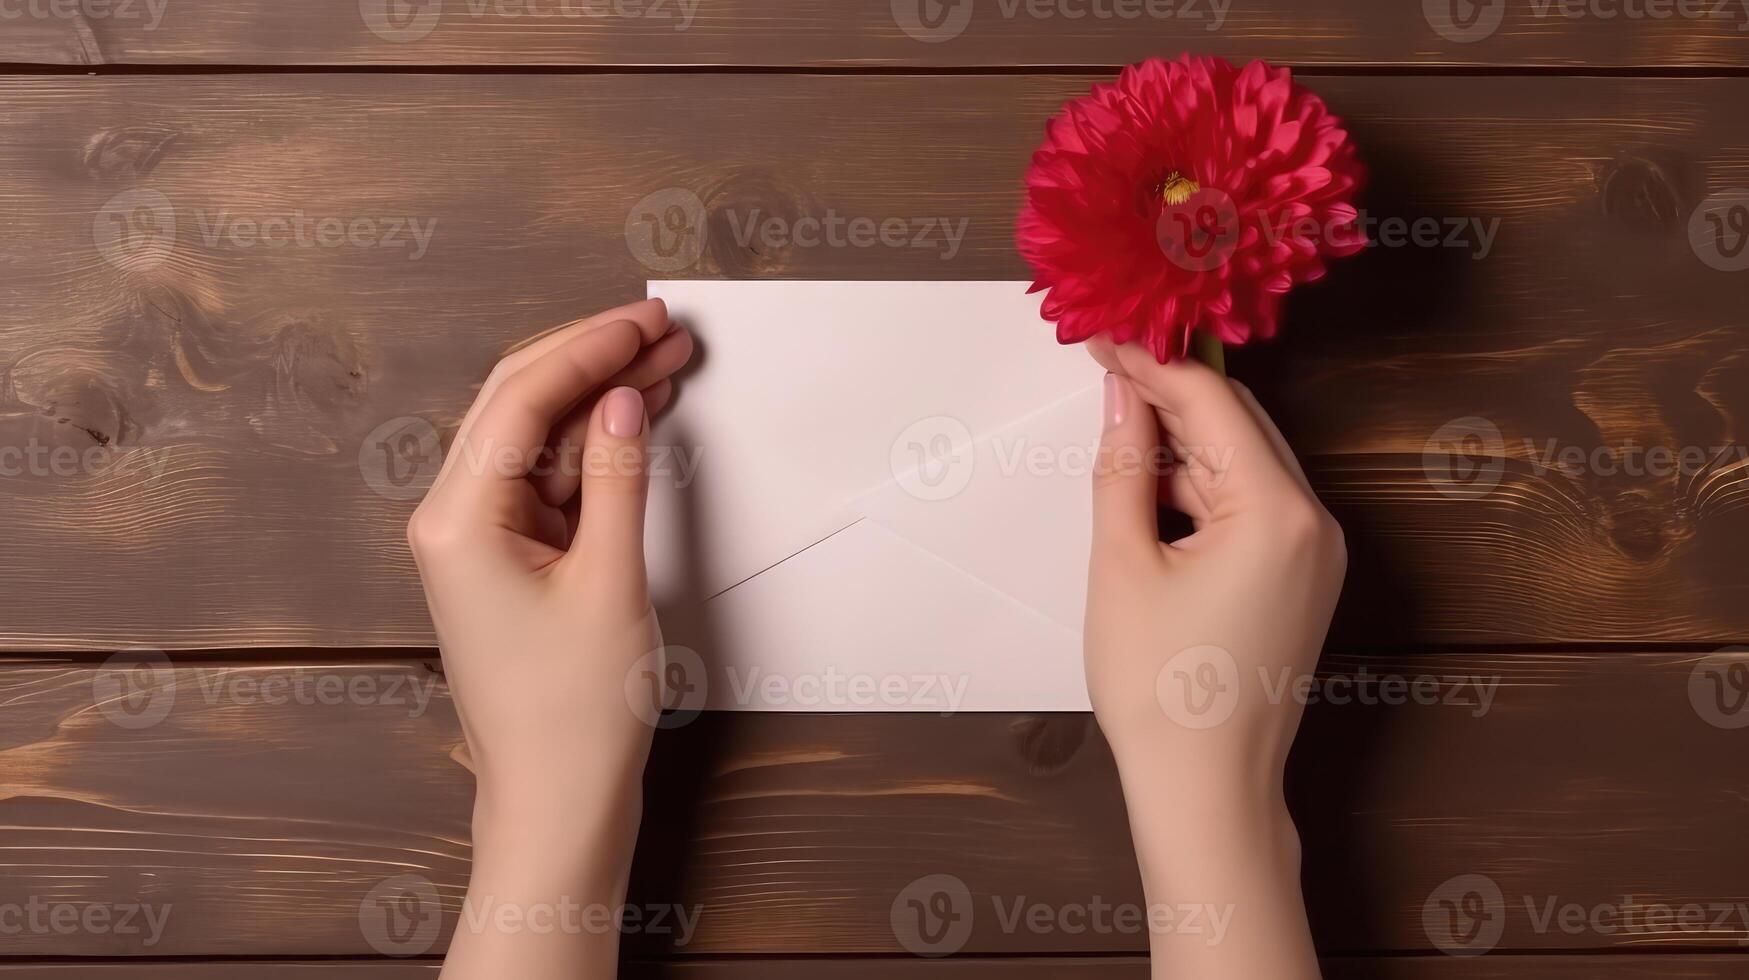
(1113, 402)
(622, 412)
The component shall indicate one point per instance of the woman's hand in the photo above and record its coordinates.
(530, 546)
(1193, 649)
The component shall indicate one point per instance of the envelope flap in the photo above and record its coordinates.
(1012, 509)
(802, 401)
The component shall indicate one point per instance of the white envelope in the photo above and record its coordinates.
(874, 496)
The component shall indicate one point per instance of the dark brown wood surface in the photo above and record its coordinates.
(230, 388)
(906, 33)
(198, 436)
(261, 819)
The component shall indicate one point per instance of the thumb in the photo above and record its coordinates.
(1125, 477)
(614, 484)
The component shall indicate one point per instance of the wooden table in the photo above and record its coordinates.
(258, 249)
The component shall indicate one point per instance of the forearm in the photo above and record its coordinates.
(1220, 871)
(547, 889)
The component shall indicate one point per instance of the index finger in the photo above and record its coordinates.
(510, 430)
(1206, 420)
(651, 316)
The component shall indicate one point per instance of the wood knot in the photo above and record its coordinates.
(319, 375)
(126, 151)
(1049, 742)
(318, 359)
(756, 225)
(1645, 524)
(171, 330)
(79, 399)
(1643, 194)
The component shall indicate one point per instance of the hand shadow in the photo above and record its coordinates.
(690, 743)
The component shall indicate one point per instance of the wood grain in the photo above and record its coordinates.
(1054, 968)
(262, 820)
(230, 388)
(859, 33)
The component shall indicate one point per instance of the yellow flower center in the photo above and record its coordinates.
(1177, 188)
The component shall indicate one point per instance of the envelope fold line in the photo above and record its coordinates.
(789, 557)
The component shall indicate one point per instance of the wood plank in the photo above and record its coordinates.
(235, 396)
(263, 820)
(230, 970)
(1057, 968)
(858, 33)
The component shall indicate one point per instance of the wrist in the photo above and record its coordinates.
(566, 839)
(1201, 803)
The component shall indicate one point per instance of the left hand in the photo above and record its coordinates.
(534, 574)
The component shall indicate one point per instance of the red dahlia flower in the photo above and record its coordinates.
(1187, 196)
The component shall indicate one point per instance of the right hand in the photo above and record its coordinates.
(1249, 594)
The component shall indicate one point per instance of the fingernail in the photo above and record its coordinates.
(1113, 402)
(622, 412)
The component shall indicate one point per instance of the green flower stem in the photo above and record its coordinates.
(1207, 348)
